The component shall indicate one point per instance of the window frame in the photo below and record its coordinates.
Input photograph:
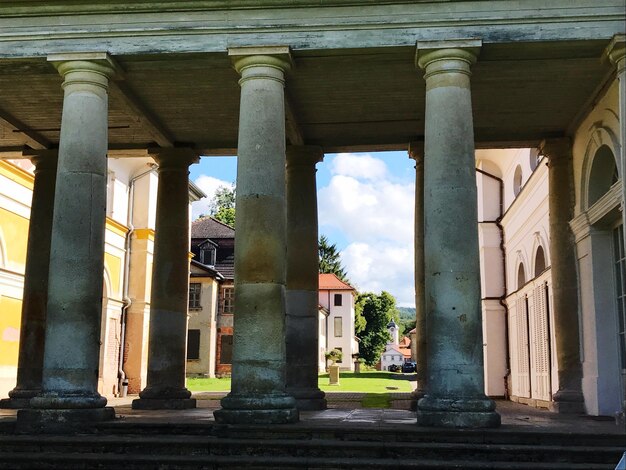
(195, 297)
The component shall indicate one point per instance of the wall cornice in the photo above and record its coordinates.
(215, 25)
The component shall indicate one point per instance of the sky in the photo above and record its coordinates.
(365, 207)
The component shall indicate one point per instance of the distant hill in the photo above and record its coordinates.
(406, 313)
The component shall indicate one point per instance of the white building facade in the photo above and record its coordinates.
(338, 298)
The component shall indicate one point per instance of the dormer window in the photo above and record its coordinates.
(207, 255)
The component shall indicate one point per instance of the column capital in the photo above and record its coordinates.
(616, 51)
(447, 56)
(558, 150)
(276, 57)
(42, 159)
(304, 155)
(416, 151)
(91, 68)
(176, 157)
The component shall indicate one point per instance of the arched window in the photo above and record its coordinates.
(521, 276)
(540, 261)
(533, 158)
(517, 180)
(603, 174)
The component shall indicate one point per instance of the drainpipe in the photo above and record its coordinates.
(498, 223)
(126, 301)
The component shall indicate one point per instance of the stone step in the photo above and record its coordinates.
(48, 460)
(329, 448)
(402, 433)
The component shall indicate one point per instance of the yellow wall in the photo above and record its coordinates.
(15, 235)
(113, 266)
(10, 313)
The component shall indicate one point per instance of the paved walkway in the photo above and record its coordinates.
(342, 412)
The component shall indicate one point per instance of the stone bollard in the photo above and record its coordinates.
(334, 374)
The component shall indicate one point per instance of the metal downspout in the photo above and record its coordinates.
(498, 223)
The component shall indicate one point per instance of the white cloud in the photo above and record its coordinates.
(209, 185)
(375, 215)
(359, 166)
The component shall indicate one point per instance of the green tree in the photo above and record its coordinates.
(376, 311)
(222, 205)
(330, 260)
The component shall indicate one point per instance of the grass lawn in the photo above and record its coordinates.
(368, 382)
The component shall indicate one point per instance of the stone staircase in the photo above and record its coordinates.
(122, 445)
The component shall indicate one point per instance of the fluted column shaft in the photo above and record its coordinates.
(416, 152)
(35, 296)
(69, 396)
(569, 397)
(454, 391)
(165, 381)
(302, 320)
(258, 369)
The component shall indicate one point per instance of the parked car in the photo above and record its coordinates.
(393, 368)
(408, 367)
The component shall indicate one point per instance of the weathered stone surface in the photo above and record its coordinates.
(164, 403)
(258, 370)
(62, 421)
(455, 384)
(74, 308)
(170, 284)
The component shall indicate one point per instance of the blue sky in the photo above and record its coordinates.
(365, 205)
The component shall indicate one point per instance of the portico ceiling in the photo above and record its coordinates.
(534, 79)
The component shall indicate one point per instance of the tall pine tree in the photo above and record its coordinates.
(330, 260)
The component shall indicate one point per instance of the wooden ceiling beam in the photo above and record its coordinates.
(29, 137)
(145, 118)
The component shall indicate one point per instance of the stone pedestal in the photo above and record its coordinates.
(258, 370)
(569, 397)
(165, 382)
(302, 320)
(455, 384)
(35, 297)
(416, 152)
(69, 399)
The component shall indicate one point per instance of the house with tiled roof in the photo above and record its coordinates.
(338, 298)
(211, 298)
(397, 351)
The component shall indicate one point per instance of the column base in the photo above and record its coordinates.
(568, 402)
(416, 395)
(261, 409)
(14, 403)
(19, 399)
(62, 421)
(457, 413)
(164, 403)
(308, 399)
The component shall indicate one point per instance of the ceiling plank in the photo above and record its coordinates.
(29, 137)
(145, 118)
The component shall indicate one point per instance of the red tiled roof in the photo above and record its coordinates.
(208, 227)
(332, 282)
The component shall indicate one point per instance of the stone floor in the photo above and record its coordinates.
(345, 410)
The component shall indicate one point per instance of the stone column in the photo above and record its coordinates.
(69, 398)
(569, 397)
(258, 370)
(167, 346)
(455, 383)
(35, 297)
(416, 152)
(616, 52)
(302, 320)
